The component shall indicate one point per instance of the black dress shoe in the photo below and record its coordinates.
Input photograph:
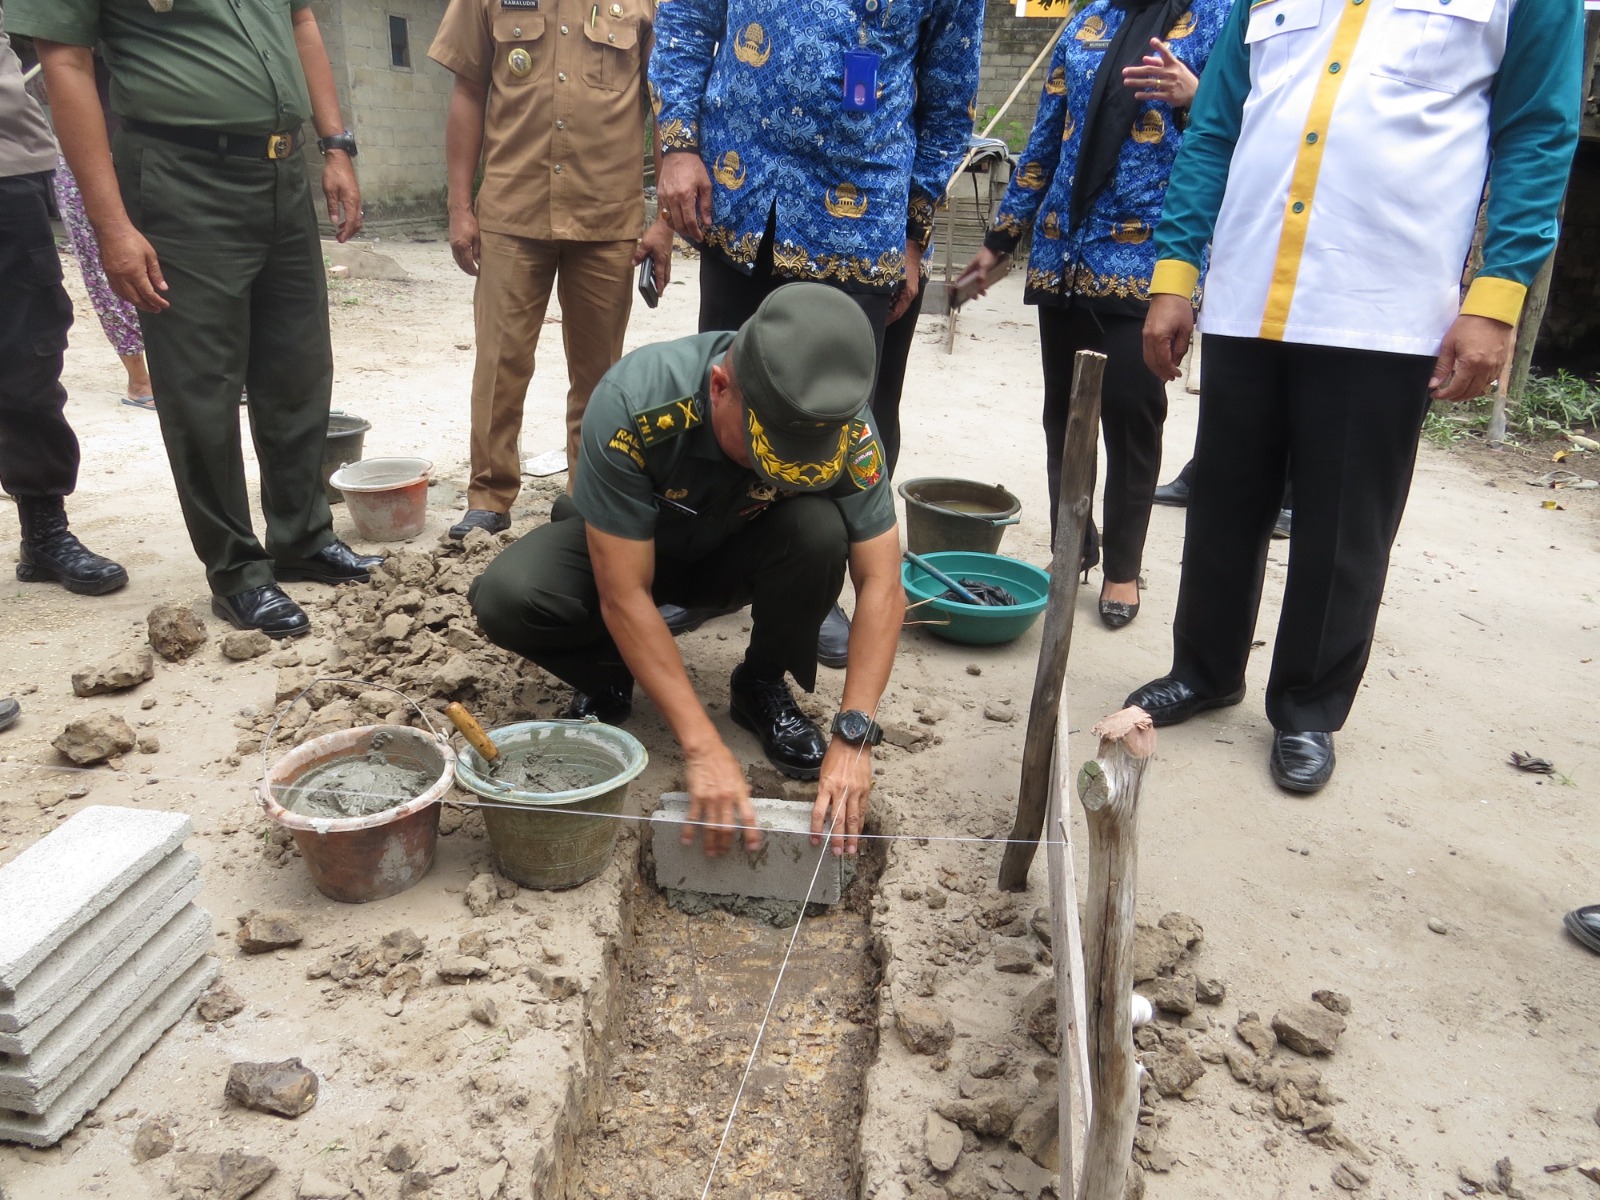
(1284, 525)
(265, 608)
(1117, 613)
(1174, 494)
(10, 710)
(480, 518)
(334, 563)
(1301, 762)
(1170, 701)
(833, 639)
(612, 706)
(791, 740)
(1584, 924)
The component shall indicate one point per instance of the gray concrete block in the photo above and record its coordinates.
(114, 1063)
(64, 880)
(80, 964)
(30, 1083)
(782, 869)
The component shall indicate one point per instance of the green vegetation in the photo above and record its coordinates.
(1552, 405)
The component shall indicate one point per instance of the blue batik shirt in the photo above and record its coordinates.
(757, 88)
(1108, 259)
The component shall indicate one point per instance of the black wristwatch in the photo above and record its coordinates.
(855, 727)
(345, 141)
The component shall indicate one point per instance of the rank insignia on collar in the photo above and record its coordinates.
(764, 492)
(667, 420)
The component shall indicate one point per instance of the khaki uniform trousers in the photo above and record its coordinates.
(594, 283)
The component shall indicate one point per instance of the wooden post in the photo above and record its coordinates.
(1108, 787)
(1077, 473)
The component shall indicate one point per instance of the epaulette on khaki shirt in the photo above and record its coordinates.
(565, 117)
(650, 467)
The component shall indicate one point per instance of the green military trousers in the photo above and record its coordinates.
(539, 598)
(237, 242)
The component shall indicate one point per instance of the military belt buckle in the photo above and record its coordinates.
(279, 145)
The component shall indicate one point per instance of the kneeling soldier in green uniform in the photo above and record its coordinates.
(717, 471)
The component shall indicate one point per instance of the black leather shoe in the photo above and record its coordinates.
(1117, 613)
(1584, 924)
(833, 639)
(265, 608)
(1174, 494)
(480, 518)
(1301, 762)
(791, 740)
(52, 554)
(1284, 525)
(612, 706)
(334, 563)
(10, 710)
(1170, 701)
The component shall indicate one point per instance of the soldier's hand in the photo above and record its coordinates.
(464, 243)
(1167, 330)
(683, 194)
(343, 193)
(1474, 353)
(719, 799)
(842, 791)
(132, 268)
(656, 245)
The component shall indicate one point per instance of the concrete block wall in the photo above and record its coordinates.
(396, 113)
(1010, 44)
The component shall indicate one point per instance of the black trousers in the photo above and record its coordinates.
(1342, 427)
(238, 244)
(1133, 410)
(38, 450)
(729, 298)
(539, 599)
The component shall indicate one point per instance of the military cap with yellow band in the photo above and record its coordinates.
(805, 363)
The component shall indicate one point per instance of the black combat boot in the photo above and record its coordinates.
(51, 554)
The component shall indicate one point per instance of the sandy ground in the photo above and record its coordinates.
(1462, 1048)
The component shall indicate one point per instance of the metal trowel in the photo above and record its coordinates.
(473, 732)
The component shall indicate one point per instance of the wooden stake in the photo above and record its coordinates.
(1108, 788)
(1077, 473)
(1072, 1059)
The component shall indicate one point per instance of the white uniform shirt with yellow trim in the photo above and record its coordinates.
(1344, 214)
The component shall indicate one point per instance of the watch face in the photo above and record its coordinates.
(852, 726)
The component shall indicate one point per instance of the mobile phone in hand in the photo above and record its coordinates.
(647, 282)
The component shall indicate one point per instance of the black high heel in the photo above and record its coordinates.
(1091, 550)
(1117, 613)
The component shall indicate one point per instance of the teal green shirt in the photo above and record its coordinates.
(228, 65)
(649, 467)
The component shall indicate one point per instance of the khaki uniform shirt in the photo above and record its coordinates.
(651, 469)
(206, 64)
(26, 143)
(564, 127)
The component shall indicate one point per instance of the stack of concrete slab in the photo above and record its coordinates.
(100, 952)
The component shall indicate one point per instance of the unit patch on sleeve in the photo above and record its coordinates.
(865, 456)
(624, 442)
(667, 420)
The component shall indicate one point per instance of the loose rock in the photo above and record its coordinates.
(990, 1115)
(484, 1011)
(415, 1183)
(399, 1158)
(317, 1185)
(116, 674)
(175, 632)
(1036, 1131)
(400, 946)
(1156, 951)
(1437, 925)
(490, 1182)
(941, 1142)
(285, 1089)
(458, 968)
(1175, 1067)
(1003, 713)
(149, 743)
(1336, 1002)
(1012, 957)
(1210, 991)
(90, 740)
(228, 1176)
(261, 932)
(1308, 1028)
(1254, 1033)
(218, 1003)
(924, 1027)
(1038, 1014)
(1172, 993)
(1350, 1177)
(153, 1140)
(482, 896)
(243, 644)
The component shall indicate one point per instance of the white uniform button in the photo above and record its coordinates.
(561, 76)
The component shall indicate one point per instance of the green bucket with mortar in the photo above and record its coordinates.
(554, 839)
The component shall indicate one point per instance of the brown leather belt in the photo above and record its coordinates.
(228, 145)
